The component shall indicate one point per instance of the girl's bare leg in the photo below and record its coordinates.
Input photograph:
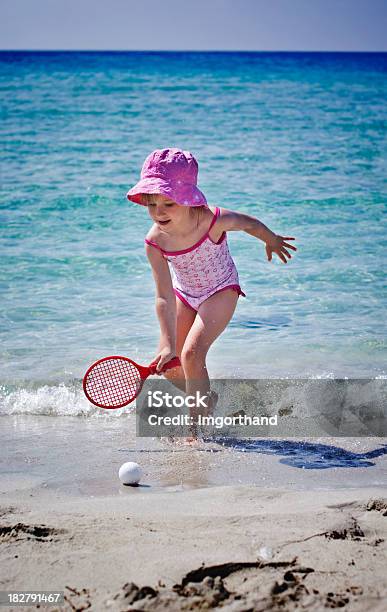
(212, 318)
(184, 319)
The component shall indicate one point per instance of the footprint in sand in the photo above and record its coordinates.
(21, 531)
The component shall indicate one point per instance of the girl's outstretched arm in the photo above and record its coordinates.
(230, 220)
(165, 305)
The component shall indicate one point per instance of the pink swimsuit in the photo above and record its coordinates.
(202, 270)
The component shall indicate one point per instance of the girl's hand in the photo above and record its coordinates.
(278, 246)
(165, 355)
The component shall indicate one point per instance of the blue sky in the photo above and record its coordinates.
(320, 25)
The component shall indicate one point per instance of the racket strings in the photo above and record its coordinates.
(113, 382)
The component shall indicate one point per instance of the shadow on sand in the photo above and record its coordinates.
(305, 455)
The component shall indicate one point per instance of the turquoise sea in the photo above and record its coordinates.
(295, 139)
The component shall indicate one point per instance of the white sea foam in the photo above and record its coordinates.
(52, 400)
(300, 398)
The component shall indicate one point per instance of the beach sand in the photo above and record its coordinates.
(210, 527)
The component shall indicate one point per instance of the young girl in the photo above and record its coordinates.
(194, 304)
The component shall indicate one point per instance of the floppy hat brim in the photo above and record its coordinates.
(182, 193)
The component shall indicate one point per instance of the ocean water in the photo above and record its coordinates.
(295, 139)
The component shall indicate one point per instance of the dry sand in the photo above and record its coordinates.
(236, 548)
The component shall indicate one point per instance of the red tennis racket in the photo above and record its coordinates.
(113, 382)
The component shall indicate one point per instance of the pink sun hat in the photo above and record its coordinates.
(172, 173)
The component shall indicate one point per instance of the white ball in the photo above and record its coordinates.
(130, 473)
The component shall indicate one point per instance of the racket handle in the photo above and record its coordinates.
(172, 363)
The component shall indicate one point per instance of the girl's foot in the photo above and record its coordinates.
(197, 435)
(192, 441)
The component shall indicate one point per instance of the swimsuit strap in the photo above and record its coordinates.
(214, 218)
(154, 244)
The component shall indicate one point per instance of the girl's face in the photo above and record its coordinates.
(166, 213)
